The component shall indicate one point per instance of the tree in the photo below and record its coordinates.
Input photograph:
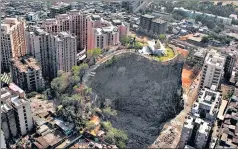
(60, 83)
(90, 126)
(162, 37)
(108, 111)
(205, 39)
(137, 45)
(114, 136)
(94, 52)
(124, 40)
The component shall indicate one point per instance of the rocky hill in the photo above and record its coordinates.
(144, 92)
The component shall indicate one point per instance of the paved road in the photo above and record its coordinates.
(90, 72)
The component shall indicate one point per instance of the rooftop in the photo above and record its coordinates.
(25, 64)
(158, 20)
(148, 16)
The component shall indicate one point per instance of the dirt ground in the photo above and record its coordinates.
(139, 37)
(41, 106)
(183, 52)
(186, 81)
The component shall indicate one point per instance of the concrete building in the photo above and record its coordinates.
(207, 104)
(213, 69)
(101, 33)
(3, 142)
(194, 14)
(229, 65)
(152, 26)
(202, 134)
(13, 40)
(8, 124)
(186, 131)
(32, 16)
(63, 52)
(145, 23)
(228, 135)
(54, 51)
(195, 133)
(27, 73)
(158, 27)
(38, 46)
(74, 22)
(59, 8)
(16, 112)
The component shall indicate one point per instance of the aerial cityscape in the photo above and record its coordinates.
(119, 74)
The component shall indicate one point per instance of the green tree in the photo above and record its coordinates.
(60, 83)
(90, 126)
(205, 39)
(162, 37)
(124, 40)
(94, 52)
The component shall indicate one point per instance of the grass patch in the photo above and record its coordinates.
(169, 54)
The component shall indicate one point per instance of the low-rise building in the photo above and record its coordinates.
(228, 137)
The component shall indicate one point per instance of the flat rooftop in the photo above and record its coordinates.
(148, 16)
(25, 63)
(158, 20)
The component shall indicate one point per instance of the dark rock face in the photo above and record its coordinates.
(145, 94)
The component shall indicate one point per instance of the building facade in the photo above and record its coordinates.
(212, 70)
(74, 22)
(229, 65)
(27, 73)
(53, 51)
(195, 133)
(101, 33)
(207, 104)
(152, 26)
(16, 112)
(13, 40)
(63, 51)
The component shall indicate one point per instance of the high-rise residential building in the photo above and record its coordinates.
(74, 22)
(101, 33)
(186, 131)
(16, 112)
(38, 46)
(213, 69)
(27, 73)
(13, 40)
(63, 51)
(122, 27)
(8, 121)
(195, 133)
(202, 134)
(152, 26)
(89, 29)
(53, 51)
(229, 65)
